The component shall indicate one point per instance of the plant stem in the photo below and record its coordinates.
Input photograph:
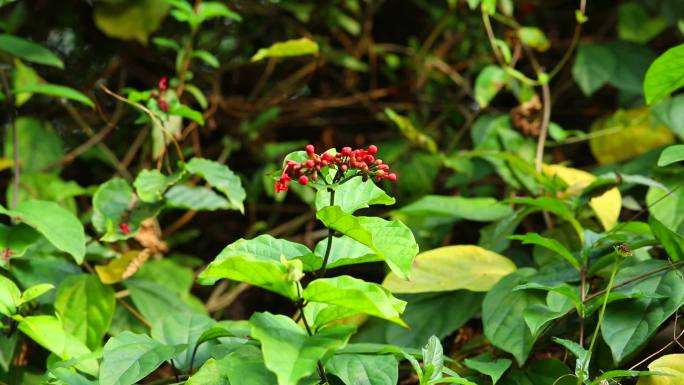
(328, 246)
(584, 294)
(319, 364)
(600, 320)
(15, 138)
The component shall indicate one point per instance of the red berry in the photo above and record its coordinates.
(309, 164)
(163, 105)
(163, 83)
(372, 149)
(346, 151)
(303, 180)
(391, 177)
(124, 228)
(310, 149)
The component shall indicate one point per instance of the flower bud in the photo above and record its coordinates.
(303, 180)
(372, 149)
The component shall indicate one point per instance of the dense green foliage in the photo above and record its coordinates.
(183, 203)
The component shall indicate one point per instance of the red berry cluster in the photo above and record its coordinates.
(163, 86)
(361, 160)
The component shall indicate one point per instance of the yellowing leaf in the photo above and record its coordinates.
(672, 365)
(129, 20)
(606, 207)
(452, 268)
(298, 47)
(123, 267)
(627, 134)
(6, 163)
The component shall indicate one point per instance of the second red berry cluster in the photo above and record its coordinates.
(363, 161)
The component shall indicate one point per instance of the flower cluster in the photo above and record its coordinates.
(363, 161)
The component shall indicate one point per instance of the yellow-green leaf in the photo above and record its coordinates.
(672, 368)
(451, 268)
(296, 47)
(129, 20)
(606, 206)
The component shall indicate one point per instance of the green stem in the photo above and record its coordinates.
(15, 139)
(328, 246)
(319, 364)
(600, 319)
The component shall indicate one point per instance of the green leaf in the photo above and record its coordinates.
(244, 366)
(212, 372)
(24, 75)
(488, 365)
(86, 308)
(672, 242)
(163, 42)
(665, 75)
(209, 9)
(129, 357)
(534, 37)
(433, 360)
(356, 294)
(288, 351)
(354, 195)
(196, 198)
(629, 324)
(344, 251)
(56, 91)
(184, 329)
(548, 243)
(362, 369)
(29, 51)
(391, 240)
(220, 177)
(668, 206)
(594, 66)
(268, 274)
(130, 20)
(604, 377)
(634, 23)
(298, 47)
(488, 83)
(155, 301)
(34, 292)
(452, 268)
(10, 296)
(39, 144)
(538, 316)
(61, 228)
(480, 209)
(555, 206)
(502, 315)
(671, 154)
(542, 372)
(184, 111)
(16, 240)
(150, 185)
(583, 357)
(115, 204)
(207, 57)
(670, 112)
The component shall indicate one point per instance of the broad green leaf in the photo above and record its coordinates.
(150, 185)
(534, 37)
(129, 20)
(665, 75)
(268, 274)
(478, 209)
(298, 47)
(362, 369)
(670, 368)
(128, 358)
(29, 51)
(606, 206)
(244, 366)
(502, 315)
(184, 329)
(207, 57)
(671, 154)
(23, 75)
(629, 324)
(60, 227)
(354, 195)
(34, 292)
(538, 316)
(86, 308)
(414, 135)
(288, 351)
(488, 83)
(633, 61)
(210, 9)
(554, 206)
(670, 112)
(668, 207)
(48, 332)
(34, 270)
(49, 187)
(9, 296)
(220, 177)
(627, 134)
(634, 23)
(184, 111)
(672, 242)
(548, 243)
(155, 301)
(115, 204)
(547, 371)
(594, 66)
(612, 374)
(583, 357)
(344, 251)
(488, 365)
(196, 198)
(453, 268)
(356, 294)
(433, 360)
(391, 240)
(39, 144)
(168, 273)
(14, 240)
(56, 91)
